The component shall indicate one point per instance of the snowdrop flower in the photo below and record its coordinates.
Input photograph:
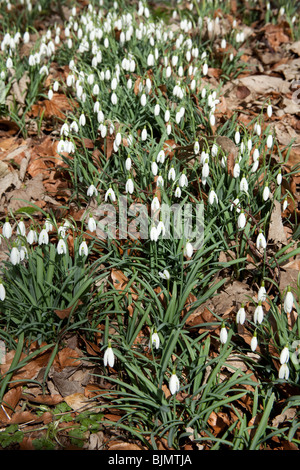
(161, 228)
(161, 156)
(261, 241)
(155, 204)
(92, 190)
(156, 109)
(236, 204)
(109, 357)
(129, 187)
(110, 194)
(237, 137)
(144, 134)
(14, 256)
(266, 192)
(43, 237)
(285, 204)
(196, 147)
(284, 372)
(155, 340)
(223, 334)
(269, 141)
(244, 185)
(205, 170)
(279, 178)
(178, 192)
(165, 274)
(167, 115)
(212, 197)
(241, 220)
(174, 384)
(205, 69)
(188, 250)
(257, 128)
(241, 315)
(255, 155)
(255, 166)
(91, 224)
(143, 99)
(128, 163)
(48, 225)
(61, 247)
(262, 293)
(171, 174)
(2, 291)
(288, 301)
(21, 228)
(269, 111)
(154, 168)
(183, 181)
(83, 249)
(23, 252)
(160, 181)
(32, 237)
(7, 229)
(154, 234)
(253, 343)
(284, 355)
(50, 94)
(258, 313)
(236, 170)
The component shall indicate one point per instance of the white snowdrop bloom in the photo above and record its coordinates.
(174, 60)
(129, 83)
(284, 355)
(279, 178)
(168, 71)
(171, 174)
(26, 37)
(2, 291)
(82, 120)
(100, 116)
(156, 109)
(205, 170)
(285, 204)
(183, 181)
(74, 127)
(266, 192)
(14, 256)
(154, 168)
(155, 204)
(241, 315)
(212, 120)
(223, 44)
(165, 274)
(144, 134)
(288, 301)
(155, 342)
(223, 334)
(196, 147)
(244, 185)
(205, 69)
(150, 60)
(7, 229)
(154, 234)
(214, 150)
(261, 241)
(50, 94)
(241, 220)
(236, 170)
(70, 80)
(174, 384)
(237, 137)
(204, 157)
(161, 229)
(269, 111)
(9, 63)
(83, 249)
(284, 372)
(61, 247)
(43, 237)
(193, 85)
(118, 139)
(235, 204)
(114, 98)
(114, 83)
(109, 357)
(91, 224)
(160, 181)
(129, 187)
(258, 314)
(32, 237)
(177, 192)
(128, 163)
(21, 229)
(255, 155)
(167, 115)
(262, 293)
(96, 89)
(212, 197)
(269, 141)
(188, 250)
(161, 156)
(110, 194)
(55, 86)
(143, 99)
(255, 166)
(257, 128)
(253, 343)
(91, 191)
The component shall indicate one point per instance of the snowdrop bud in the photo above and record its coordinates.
(241, 220)
(2, 291)
(109, 357)
(144, 134)
(223, 334)
(21, 228)
(156, 109)
(262, 293)
(154, 168)
(255, 166)
(91, 223)
(237, 137)
(143, 99)
(7, 229)
(83, 249)
(288, 301)
(284, 372)
(285, 355)
(241, 315)
(205, 170)
(253, 343)
(269, 110)
(244, 185)
(269, 141)
(174, 384)
(205, 69)
(114, 98)
(258, 314)
(266, 192)
(188, 250)
(196, 147)
(128, 164)
(285, 204)
(15, 256)
(32, 237)
(236, 170)
(279, 178)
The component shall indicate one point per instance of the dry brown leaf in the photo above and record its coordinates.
(120, 445)
(77, 401)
